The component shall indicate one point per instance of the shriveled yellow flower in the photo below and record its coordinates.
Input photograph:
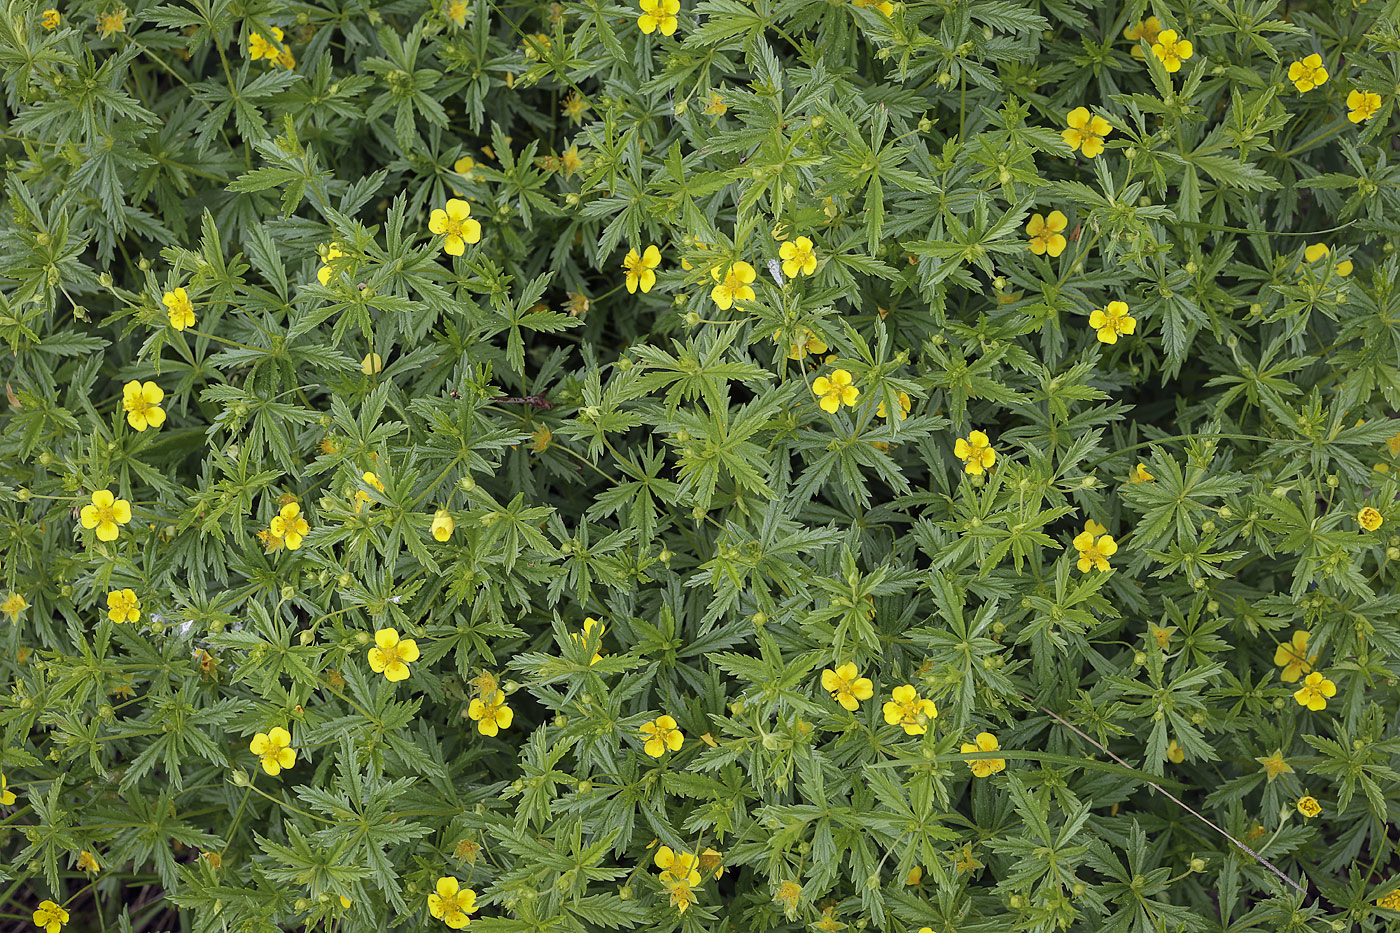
(1362, 105)
(88, 862)
(1171, 50)
(1315, 692)
(1147, 30)
(106, 513)
(809, 343)
(454, 223)
(906, 708)
(799, 257)
(1112, 321)
(391, 654)
(442, 525)
(976, 453)
(1308, 806)
(456, 12)
(289, 527)
(274, 750)
(1162, 635)
(179, 309)
(490, 712)
(835, 392)
(716, 107)
(734, 286)
(1370, 518)
(260, 48)
(639, 269)
(13, 605)
(658, 15)
(1086, 132)
(123, 606)
(141, 402)
(451, 903)
(50, 917)
(1175, 753)
(1274, 765)
(109, 23)
(1139, 474)
(984, 767)
(7, 796)
(904, 406)
(1308, 73)
(846, 686)
(712, 860)
(50, 19)
(662, 734)
(1094, 552)
(1047, 234)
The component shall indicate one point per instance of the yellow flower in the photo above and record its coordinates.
(906, 708)
(492, 714)
(289, 527)
(575, 106)
(1369, 518)
(1344, 268)
(391, 655)
(50, 917)
(1390, 902)
(13, 605)
(639, 269)
(371, 364)
(105, 513)
(88, 862)
(976, 452)
(361, 496)
(836, 391)
(662, 734)
(1315, 691)
(904, 406)
(810, 343)
(1147, 30)
(1315, 252)
(1047, 234)
(179, 309)
(274, 749)
(588, 624)
(570, 160)
(123, 606)
(456, 12)
(735, 285)
(1292, 656)
(658, 14)
(50, 19)
(1086, 133)
(534, 46)
(1308, 73)
(442, 525)
(676, 866)
(712, 860)
(1274, 765)
(984, 767)
(455, 224)
(1112, 321)
(451, 903)
(799, 257)
(846, 686)
(1162, 636)
(1171, 51)
(1362, 105)
(1308, 806)
(1175, 753)
(1094, 552)
(259, 47)
(716, 106)
(884, 6)
(141, 402)
(1139, 474)
(109, 22)
(7, 796)
(323, 274)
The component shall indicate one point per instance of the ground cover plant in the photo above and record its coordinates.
(710, 465)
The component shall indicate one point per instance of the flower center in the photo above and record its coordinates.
(105, 514)
(454, 227)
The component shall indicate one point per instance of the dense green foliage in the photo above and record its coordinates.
(913, 321)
